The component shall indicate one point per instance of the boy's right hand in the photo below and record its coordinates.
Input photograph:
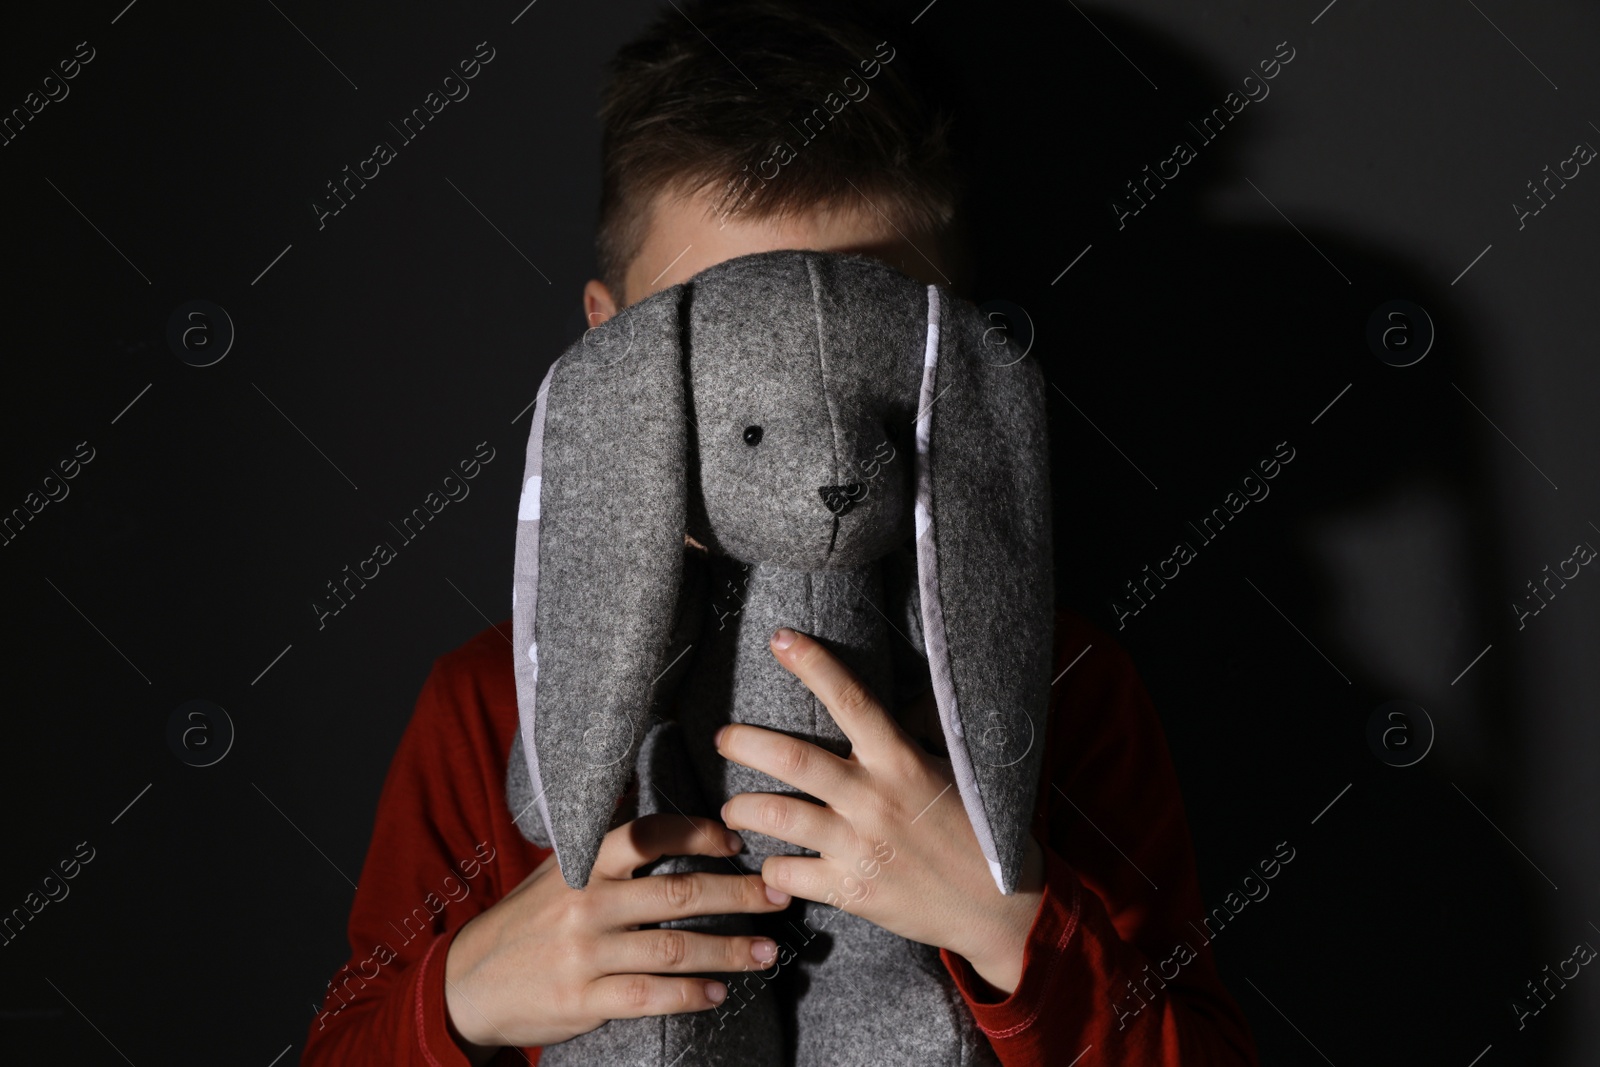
(549, 962)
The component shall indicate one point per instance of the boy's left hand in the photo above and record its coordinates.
(896, 845)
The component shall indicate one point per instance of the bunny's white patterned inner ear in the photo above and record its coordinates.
(528, 506)
(938, 646)
(524, 610)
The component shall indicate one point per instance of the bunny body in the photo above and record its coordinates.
(734, 679)
(843, 991)
(777, 408)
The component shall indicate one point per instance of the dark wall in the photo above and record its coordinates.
(375, 349)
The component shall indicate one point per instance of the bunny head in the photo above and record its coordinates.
(800, 417)
(808, 411)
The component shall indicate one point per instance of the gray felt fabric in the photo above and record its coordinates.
(895, 506)
(599, 567)
(983, 518)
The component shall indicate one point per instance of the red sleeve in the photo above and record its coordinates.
(1118, 959)
(444, 848)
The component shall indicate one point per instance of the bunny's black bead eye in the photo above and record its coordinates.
(752, 435)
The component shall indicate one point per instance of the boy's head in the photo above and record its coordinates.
(751, 125)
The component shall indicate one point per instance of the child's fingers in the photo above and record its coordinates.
(649, 837)
(632, 996)
(790, 819)
(682, 952)
(807, 877)
(869, 726)
(792, 761)
(661, 898)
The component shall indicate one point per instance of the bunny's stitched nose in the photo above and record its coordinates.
(839, 499)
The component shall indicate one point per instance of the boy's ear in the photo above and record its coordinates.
(600, 305)
(599, 562)
(984, 570)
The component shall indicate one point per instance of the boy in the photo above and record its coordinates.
(468, 947)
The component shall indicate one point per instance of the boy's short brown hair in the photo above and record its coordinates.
(773, 108)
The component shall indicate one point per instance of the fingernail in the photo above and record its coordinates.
(783, 638)
(716, 992)
(764, 951)
(777, 896)
(735, 842)
(716, 738)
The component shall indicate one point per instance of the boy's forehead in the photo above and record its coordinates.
(684, 235)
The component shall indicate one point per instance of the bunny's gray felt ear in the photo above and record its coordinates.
(984, 570)
(599, 560)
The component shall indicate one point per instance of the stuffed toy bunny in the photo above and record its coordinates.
(799, 439)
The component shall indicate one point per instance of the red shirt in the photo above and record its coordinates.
(1114, 966)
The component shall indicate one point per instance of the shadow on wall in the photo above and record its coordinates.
(1204, 351)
